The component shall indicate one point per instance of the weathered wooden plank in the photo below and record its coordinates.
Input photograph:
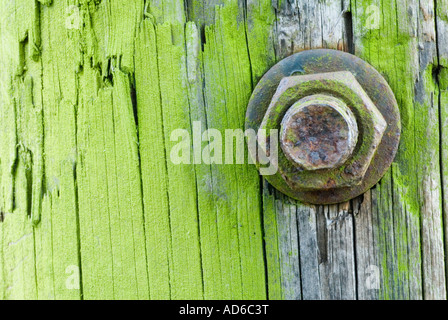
(409, 200)
(325, 236)
(22, 164)
(367, 264)
(216, 82)
(311, 248)
(209, 232)
(59, 99)
(260, 33)
(111, 223)
(302, 25)
(271, 236)
(337, 268)
(186, 272)
(227, 79)
(441, 16)
(289, 250)
(432, 225)
(153, 162)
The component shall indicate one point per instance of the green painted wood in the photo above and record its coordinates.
(93, 207)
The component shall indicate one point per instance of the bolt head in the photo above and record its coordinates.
(318, 132)
(361, 125)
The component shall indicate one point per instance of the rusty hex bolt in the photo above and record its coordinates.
(338, 120)
(319, 132)
(319, 117)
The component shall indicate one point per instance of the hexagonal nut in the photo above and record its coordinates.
(319, 132)
(347, 168)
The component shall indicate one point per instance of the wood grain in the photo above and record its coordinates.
(92, 207)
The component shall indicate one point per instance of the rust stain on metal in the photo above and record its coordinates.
(319, 133)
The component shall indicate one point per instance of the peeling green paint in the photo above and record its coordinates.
(86, 182)
(86, 159)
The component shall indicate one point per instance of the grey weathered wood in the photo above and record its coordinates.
(409, 226)
(338, 266)
(310, 257)
(302, 25)
(289, 251)
(325, 236)
(366, 252)
(390, 242)
(430, 191)
(442, 47)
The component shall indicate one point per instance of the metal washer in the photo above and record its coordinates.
(373, 83)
